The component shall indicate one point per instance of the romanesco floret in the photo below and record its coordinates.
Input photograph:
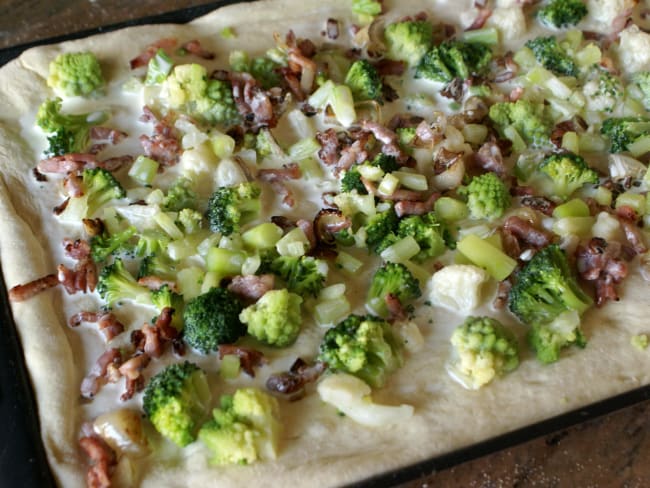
(544, 296)
(68, 133)
(529, 119)
(562, 13)
(244, 429)
(364, 81)
(230, 207)
(392, 279)
(408, 40)
(189, 90)
(176, 401)
(275, 318)
(116, 283)
(485, 349)
(363, 346)
(623, 131)
(550, 54)
(567, 173)
(76, 74)
(487, 195)
(454, 59)
(211, 319)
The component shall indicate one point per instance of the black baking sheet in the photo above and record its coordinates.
(22, 457)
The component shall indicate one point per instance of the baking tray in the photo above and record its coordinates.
(22, 456)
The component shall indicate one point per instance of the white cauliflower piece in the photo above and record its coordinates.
(351, 396)
(458, 287)
(634, 50)
(606, 227)
(507, 3)
(603, 12)
(510, 21)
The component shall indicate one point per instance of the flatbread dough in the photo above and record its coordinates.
(318, 448)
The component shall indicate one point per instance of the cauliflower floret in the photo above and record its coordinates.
(507, 3)
(458, 287)
(607, 227)
(510, 21)
(634, 50)
(603, 12)
(351, 396)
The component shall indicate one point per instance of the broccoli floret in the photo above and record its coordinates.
(391, 279)
(487, 196)
(275, 318)
(364, 81)
(158, 265)
(529, 119)
(191, 91)
(69, 133)
(180, 195)
(106, 244)
(265, 71)
(642, 80)
(115, 283)
(363, 346)
(408, 40)
(211, 319)
(230, 207)
(99, 187)
(151, 242)
(302, 274)
(550, 54)
(604, 90)
(485, 349)
(163, 298)
(568, 172)
(176, 400)
(545, 289)
(454, 59)
(562, 13)
(352, 181)
(380, 227)
(428, 231)
(244, 429)
(190, 220)
(623, 131)
(76, 74)
(385, 162)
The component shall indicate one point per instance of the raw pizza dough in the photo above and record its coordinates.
(318, 447)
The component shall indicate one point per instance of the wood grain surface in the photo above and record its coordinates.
(610, 451)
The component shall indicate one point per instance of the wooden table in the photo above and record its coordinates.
(610, 451)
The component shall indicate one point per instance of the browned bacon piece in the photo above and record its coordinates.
(395, 308)
(330, 150)
(106, 322)
(411, 207)
(329, 221)
(132, 369)
(99, 374)
(489, 157)
(332, 28)
(600, 262)
(100, 133)
(102, 458)
(277, 177)
(73, 185)
(253, 102)
(526, 232)
(251, 287)
(162, 146)
(484, 13)
(248, 358)
(387, 137)
(541, 204)
(151, 50)
(293, 382)
(194, 47)
(20, 293)
(390, 67)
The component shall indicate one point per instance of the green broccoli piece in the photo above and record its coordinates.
(562, 13)
(604, 90)
(302, 274)
(408, 40)
(190, 220)
(567, 172)
(351, 180)
(163, 298)
(158, 265)
(244, 429)
(454, 59)
(363, 346)
(115, 284)
(642, 81)
(76, 74)
(180, 195)
(275, 318)
(380, 227)
(366, 10)
(545, 289)
(230, 207)
(623, 131)
(192, 92)
(211, 319)
(550, 54)
(485, 349)
(393, 279)
(428, 231)
(364, 81)
(385, 162)
(69, 133)
(529, 119)
(487, 196)
(265, 71)
(99, 187)
(106, 244)
(151, 242)
(176, 400)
